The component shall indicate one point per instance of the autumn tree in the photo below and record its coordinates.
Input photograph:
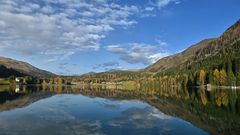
(222, 77)
(216, 77)
(59, 80)
(202, 77)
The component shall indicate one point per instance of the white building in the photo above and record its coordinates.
(17, 79)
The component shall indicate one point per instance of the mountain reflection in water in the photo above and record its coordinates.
(74, 110)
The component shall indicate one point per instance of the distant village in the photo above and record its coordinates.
(32, 80)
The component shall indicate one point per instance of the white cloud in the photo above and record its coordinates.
(59, 28)
(163, 3)
(155, 57)
(56, 29)
(149, 8)
(148, 117)
(160, 42)
(138, 52)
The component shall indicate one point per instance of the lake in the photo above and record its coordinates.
(64, 110)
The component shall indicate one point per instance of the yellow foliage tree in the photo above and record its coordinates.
(216, 77)
(202, 77)
(58, 80)
(222, 77)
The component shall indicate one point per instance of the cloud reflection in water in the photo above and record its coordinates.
(148, 117)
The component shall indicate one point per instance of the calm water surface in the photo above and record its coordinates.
(44, 113)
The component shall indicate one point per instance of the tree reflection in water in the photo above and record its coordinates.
(216, 111)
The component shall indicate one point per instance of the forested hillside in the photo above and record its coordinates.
(215, 61)
(212, 61)
(10, 67)
(225, 46)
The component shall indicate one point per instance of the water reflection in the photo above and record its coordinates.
(147, 117)
(77, 110)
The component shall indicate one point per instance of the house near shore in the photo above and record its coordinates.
(17, 79)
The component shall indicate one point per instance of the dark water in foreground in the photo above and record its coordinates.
(68, 111)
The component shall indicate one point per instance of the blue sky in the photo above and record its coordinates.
(78, 36)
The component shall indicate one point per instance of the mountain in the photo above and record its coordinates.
(10, 67)
(225, 45)
(213, 61)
